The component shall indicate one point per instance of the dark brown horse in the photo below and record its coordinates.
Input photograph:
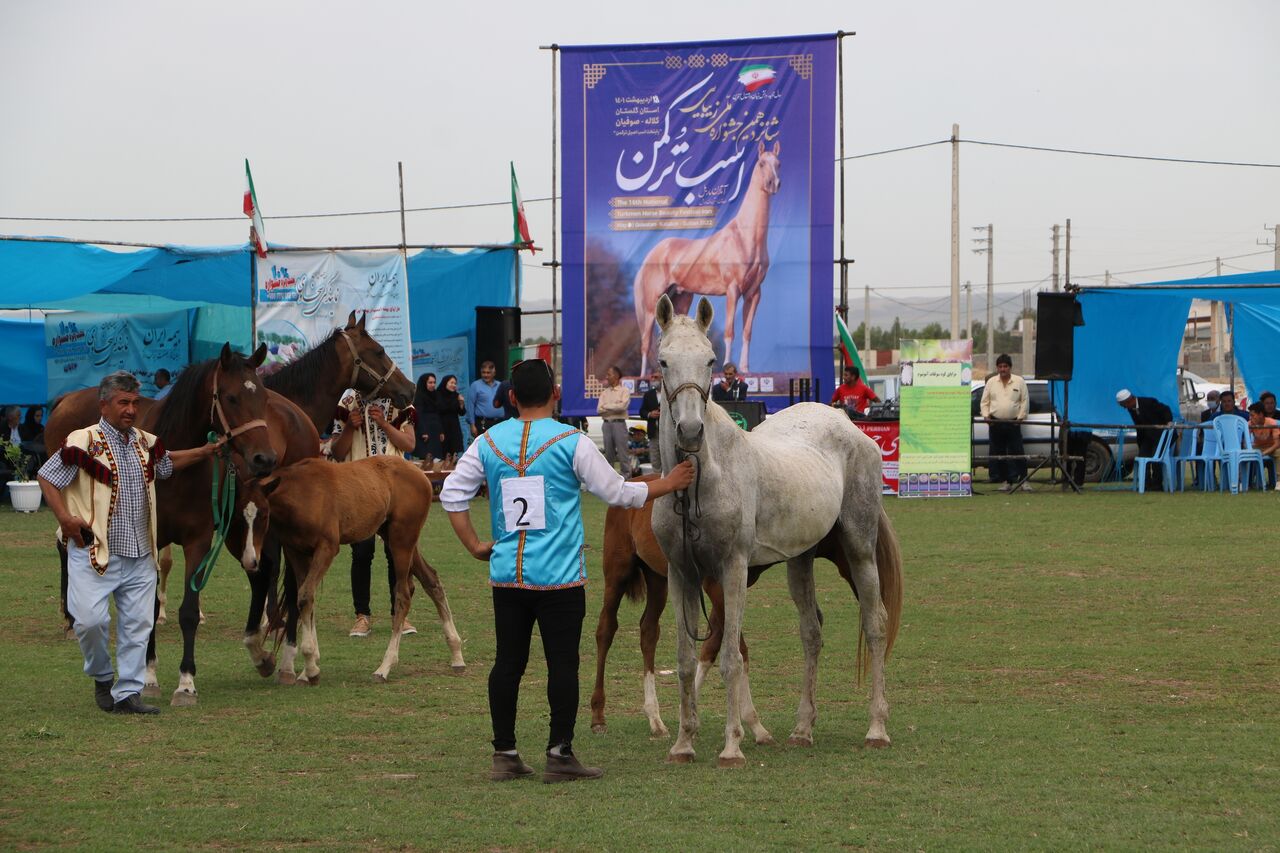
(315, 507)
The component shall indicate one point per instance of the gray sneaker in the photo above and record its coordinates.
(508, 767)
(567, 768)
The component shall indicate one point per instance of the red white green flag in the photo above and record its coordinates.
(847, 347)
(252, 211)
(519, 222)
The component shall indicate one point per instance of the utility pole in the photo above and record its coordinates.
(968, 310)
(1106, 279)
(955, 232)
(1068, 253)
(1056, 288)
(1274, 242)
(989, 248)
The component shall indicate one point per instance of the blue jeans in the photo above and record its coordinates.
(132, 582)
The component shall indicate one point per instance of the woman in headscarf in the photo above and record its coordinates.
(450, 407)
(428, 446)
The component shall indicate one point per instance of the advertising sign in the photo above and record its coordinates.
(885, 435)
(936, 426)
(82, 347)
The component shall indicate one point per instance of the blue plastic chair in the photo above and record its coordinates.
(1235, 452)
(1163, 458)
(1204, 461)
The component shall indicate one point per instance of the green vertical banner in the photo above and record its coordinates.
(934, 444)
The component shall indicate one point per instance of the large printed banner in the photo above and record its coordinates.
(934, 444)
(303, 296)
(443, 357)
(885, 435)
(81, 348)
(699, 170)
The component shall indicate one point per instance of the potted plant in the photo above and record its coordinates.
(24, 492)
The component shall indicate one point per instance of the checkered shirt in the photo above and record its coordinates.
(128, 531)
(375, 439)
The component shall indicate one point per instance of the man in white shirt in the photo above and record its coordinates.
(1005, 403)
(612, 407)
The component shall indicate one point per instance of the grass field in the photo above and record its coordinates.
(1072, 672)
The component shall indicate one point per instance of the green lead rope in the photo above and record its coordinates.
(222, 500)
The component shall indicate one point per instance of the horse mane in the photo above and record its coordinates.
(299, 379)
(184, 414)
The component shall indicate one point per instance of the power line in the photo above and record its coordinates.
(894, 150)
(1121, 156)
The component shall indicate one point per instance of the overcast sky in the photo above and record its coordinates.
(139, 109)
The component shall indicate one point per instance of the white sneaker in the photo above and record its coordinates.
(1026, 487)
(1004, 487)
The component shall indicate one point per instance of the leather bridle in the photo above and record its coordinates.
(358, 364)
(218, 417)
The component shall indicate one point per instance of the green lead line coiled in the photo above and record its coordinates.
(222, 500)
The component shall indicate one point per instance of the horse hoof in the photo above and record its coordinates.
(679, 757)
(797, 740)
(876, 743)
(310, 680)
(599, 728)
(659, 731)
(183, 699)
(734, 761)
(151, 691)
(286, 678)
(267, 667)
(458, 668)
(379, 678)
(161, 619)
(767, 740)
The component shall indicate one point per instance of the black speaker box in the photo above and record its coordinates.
(751, 411)
(1057, 315)
(497, 332)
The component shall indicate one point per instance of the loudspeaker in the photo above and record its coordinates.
(749, 412)
(497, 333)
(1057, 315)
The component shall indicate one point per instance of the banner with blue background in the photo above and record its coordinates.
(699, 170)
(82, 347)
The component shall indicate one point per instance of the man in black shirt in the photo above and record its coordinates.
(1148, 412)
(730, 389)
(651, 410)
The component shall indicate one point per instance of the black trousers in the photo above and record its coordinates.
(362, 573)
(558, 614)
(1006, 440)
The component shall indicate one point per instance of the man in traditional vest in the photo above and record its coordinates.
(101, 488)
(537, 566)
(364, 428)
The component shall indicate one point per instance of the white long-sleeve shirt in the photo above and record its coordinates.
(589, 464)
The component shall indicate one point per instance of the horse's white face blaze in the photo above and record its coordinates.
(687, 359)
(250, 386)
(249, 560)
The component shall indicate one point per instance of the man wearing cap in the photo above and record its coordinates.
(1211, 406)
(1147, 412)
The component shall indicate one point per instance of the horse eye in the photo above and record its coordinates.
(231, 398)
(381, 352)
(663, 363)
(711, 363)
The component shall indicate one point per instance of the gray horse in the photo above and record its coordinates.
(806, 483)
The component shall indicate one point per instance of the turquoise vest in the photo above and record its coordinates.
(534, 505)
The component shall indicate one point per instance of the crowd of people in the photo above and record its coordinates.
(21, 443)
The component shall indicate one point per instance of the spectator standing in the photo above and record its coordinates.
(483, 408)
(451, 408)
(429, 441)
(651, 411)
(365, 428)
(1149, 412)
(852, 394)
(612, 408)
(1005, 403)
(730, 389)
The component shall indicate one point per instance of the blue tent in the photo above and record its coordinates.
(1131, 337)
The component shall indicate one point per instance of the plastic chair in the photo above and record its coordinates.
(1162, 457)
(1235, 451)
(1204, 461)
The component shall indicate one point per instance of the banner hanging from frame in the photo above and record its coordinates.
(82, 347)
(303, 296)
(936, 427)
(698, 169)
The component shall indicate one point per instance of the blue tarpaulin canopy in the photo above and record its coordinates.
(1131, 337)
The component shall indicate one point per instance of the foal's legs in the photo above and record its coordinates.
(286, 674)
(606, 628)
(734, 581)
(401, 550)
(260, 583)
(860, 553)
(308, 640)
(684, 602)
(430, 579)
(800, 582)
(650, 629)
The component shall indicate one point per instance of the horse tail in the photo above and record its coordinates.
(889, 569)
(634, 584)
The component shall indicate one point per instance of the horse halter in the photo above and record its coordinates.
(216, 410)
(684, 386)
(357, 365)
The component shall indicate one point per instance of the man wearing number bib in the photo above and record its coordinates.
(537, 563)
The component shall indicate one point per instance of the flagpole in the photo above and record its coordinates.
(253, 291)
(555, 245)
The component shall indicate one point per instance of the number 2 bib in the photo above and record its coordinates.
(524, 503)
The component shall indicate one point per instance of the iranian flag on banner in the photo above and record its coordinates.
(519, 222)
(756, 76)
(252, 211)
(847, 347)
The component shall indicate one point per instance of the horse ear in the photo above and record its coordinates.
(777, 147)
(760, 148)
(225, 355)
(259, 356)
(363, 317)
(705, 313)
(351, 320)
(664, 312)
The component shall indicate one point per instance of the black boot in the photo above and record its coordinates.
(131, 704)
(102, 694)
(565, 767)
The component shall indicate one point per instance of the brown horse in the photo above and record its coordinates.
(314, 507)
(635, 566)
(732, 263)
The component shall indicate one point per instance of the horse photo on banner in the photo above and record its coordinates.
(699, 169)
(303, 296)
